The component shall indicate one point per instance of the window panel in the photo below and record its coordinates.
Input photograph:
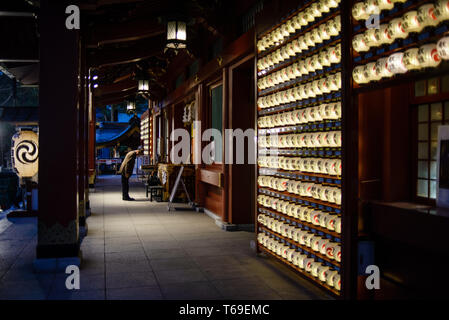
(217, 116)
(445, 84)
(420, 88)
(423, 150)
(446, 110)
(433, 150)
(423, 112)
(423, 131)
(434, 131)
(436, 111)
(423, 188)
(433, 189)
(433, 170)
(432, 86)
(423, 169)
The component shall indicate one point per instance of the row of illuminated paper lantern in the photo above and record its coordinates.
(428, 14)
(296, 23)
(304, 237)
(312, 89)
(329, 166)
(400, 28)
(302, 188)
(307, 41)
(317, 62)
(320, 139)
(326, 111)
(317, 269)
(328, 220)
(315, 242)
(428, 55)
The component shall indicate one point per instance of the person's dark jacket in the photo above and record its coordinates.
(127, 166)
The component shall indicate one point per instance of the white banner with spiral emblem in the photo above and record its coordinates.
(25, 152)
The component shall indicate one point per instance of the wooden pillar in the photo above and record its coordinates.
(82, 138)
(350, 171)
(87, 114)
(58, 231)
(91, 146)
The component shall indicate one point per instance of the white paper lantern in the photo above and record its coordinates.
(382, 35)
(290, 27)
(396, 30)
(395, 63)
(372, 7)
(323, 58)
(359, 44)
(428, 55)
(333, 3)
(443, 48)
(410, 22)
(385, 4)
(315, 10)
(334, 54)
(315, 61)
(308, 16)
(323, 6)
(426, 15)
(370, 38)
(359, 11)
(382, 68)
(442, 10)
(316, 37)
(370, 72)
(309, 40)
(323, 32)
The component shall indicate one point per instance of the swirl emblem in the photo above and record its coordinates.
(26, 152)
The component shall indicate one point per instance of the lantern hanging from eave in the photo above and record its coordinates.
(130, 105)
(176, 34)
(143, 85)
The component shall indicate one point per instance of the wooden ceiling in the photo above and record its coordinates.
(123, 37)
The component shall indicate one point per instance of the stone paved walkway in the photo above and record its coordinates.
(138, 250)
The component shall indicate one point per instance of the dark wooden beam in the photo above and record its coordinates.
(100, 3)
(122, 86)
(128, 31)
(110, 56)
(114, 98)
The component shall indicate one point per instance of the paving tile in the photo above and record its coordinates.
(179, 276)
(128, 256)
(77, 295)
(117, 247)
(130, 280)
(172, 263)
(166, 253)
(124, 267)
(204, 251)
(140, 293)
(242, 287)
(226, 272)
(190, 291)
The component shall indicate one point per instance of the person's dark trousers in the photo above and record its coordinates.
(125, 187)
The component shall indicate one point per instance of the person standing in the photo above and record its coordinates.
(126, 170)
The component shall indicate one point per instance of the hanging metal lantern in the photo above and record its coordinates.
(176, 35)
(143, 85)
(130, 105)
